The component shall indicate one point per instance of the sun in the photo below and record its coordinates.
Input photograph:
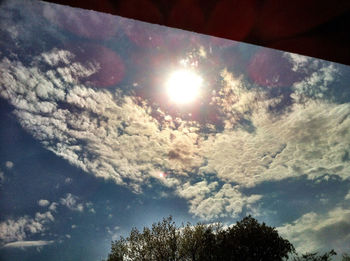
(183, 86)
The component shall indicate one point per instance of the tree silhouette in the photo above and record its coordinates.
(250, 240)
(246, 240)
(346, 257)
(316, 257)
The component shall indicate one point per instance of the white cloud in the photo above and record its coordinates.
(311, 139)
(21, 228)
(347, 196)
(103, 133)
(71, 202)
(113, 232)
(9, 164)
(209, 203)
(68, 180)
(316, 84)
(56, 56)
(90, 205)
(43, 203)
(299, 62)
(2, 177)
(112, 136)
(23, 244)
(53, 206)
(44, 217)
(319, 232)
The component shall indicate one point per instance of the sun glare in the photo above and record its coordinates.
(183, 86)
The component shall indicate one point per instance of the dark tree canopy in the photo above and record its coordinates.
(316, 257)
(247, 240)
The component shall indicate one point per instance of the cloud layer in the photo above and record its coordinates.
(272, 128)
(319, 231)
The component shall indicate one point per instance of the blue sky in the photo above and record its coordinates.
(92, 144)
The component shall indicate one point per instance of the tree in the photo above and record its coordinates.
(198, 242)
(316, 257)
(247, 240)
(346, 257)
(157, 244)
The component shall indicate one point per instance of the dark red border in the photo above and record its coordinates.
(315, 28)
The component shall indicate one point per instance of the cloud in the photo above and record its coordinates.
(299, 62)
(113, 135)
(347, 197)
(53, 206)
(317, 84)
(9, 164)
(113, 232)
(104, 133)
(23, 244)
(311, 139)
(21, 228)
(84, 23)
(321, 79)
(56, 56)
(208, 202)
(89, 206)
(44, 217)
(70, 201)
(320, 231)
(68, 180)
(43, 203)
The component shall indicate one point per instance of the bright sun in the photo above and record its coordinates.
(183, 86)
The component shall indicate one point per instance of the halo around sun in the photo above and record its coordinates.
(183, 86)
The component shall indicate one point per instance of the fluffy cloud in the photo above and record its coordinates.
(103, 133)
(53, 206)
(21, 228)
(320, 232)
(9, 164)
(208, 202)
(43, 202)
(71, 202)
(311, 139)
(115, 136)
(347, 197)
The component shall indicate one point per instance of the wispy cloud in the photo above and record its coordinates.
(23, 244)
(71, 202)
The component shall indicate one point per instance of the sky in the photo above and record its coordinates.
(109, 123)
